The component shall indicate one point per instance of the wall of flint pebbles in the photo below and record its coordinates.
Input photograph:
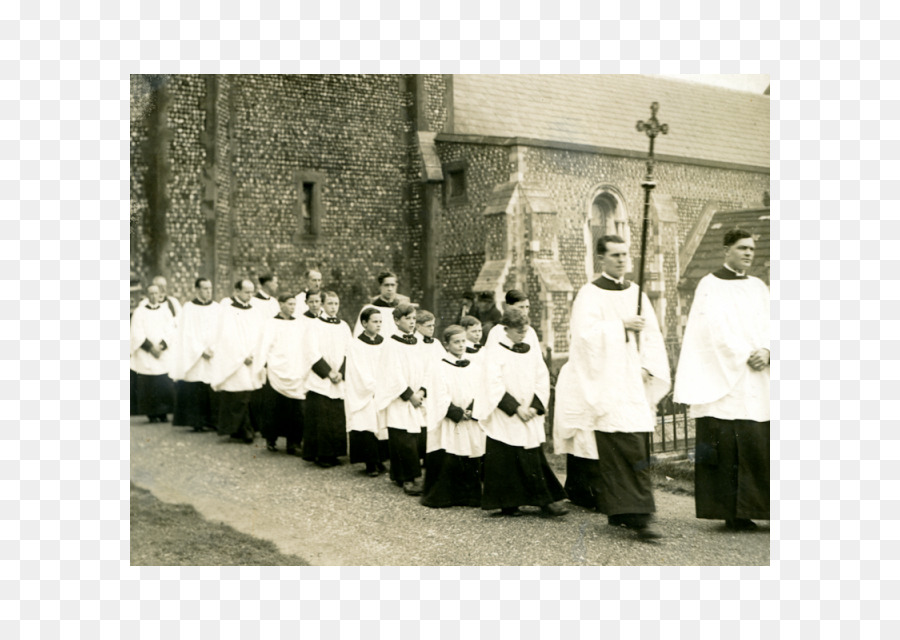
(356, 133)
(351, 130)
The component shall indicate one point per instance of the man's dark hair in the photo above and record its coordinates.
(486, 295)
(264, 278)
(735, 235)
(423, 316)
(200, 281)
(387, 274)
(240, 284)
(468, 295)
(367, 314)
(605, 240)
(330, 294)
(515, 319)
(285, 297)
(514, 295)
(318, 294)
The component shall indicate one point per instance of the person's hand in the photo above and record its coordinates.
(207, 354)
(248, 360)
(417, 399)
(524, 414)
(467, 414)
(646, 375)
(634, 323)
(155, 351)
(759, 359)
(335, 377)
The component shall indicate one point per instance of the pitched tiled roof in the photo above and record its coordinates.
(705, 122)
(709, 254)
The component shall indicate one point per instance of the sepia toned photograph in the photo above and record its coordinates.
(460, 320)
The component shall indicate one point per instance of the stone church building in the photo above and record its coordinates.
(457, 183)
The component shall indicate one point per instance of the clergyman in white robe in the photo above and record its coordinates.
(191, 368)
(238, 366)
(152, 329)
(728, 321)
(604, 408)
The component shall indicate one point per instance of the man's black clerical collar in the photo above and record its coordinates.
(197, 301)
(457, 363)
(309, 314)
(474, 349)
(376, 340)
(519, 347)
(381, 302)
(405, 339)
(262, 296)
(152, 308)
(607, 283)
(237, 303)
(330, 320)
(426, 339)
(281, 316)
(727, 273)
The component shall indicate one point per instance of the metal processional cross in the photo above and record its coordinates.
(652, 128)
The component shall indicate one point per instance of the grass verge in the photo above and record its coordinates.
(165, 534)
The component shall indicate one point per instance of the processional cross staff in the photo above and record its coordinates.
(652, 128)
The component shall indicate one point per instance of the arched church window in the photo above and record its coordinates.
(607, 217)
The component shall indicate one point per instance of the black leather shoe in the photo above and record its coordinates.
(553, 510)
(649, 533)
(741, 524)
(512, 512)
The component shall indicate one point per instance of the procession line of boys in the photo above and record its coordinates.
(461, 423)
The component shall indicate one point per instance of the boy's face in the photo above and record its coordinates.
(314, 303)
(426, 328)
(373, 325)
(522, 305)
(288, 306)
(407, 324)
(474, 333)
(332, 305)
(456, 345)
(516, 335)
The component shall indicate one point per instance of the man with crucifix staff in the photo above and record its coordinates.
(607, 392)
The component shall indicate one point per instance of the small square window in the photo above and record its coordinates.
(309, 205)
(455, 182)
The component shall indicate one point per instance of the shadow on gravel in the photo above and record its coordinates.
(165, 534)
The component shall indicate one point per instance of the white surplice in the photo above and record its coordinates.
(238, 336)
(154, 325)
(196, 333)
(729, 320)
(601, 387)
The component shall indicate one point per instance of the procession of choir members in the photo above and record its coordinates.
(461, 417)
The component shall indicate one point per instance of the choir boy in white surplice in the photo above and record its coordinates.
(606, 396)
(325, 425)
(723, 373)
(515, 299)
(152, 335)
(455, 442)
(287, 366)
(367, 431)
(192, 360)
(510, 405)
(238, 365)
(474, 333)
(401, 394)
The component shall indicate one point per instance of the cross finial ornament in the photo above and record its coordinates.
(652, 127)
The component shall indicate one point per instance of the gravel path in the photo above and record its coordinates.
(338, 516)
